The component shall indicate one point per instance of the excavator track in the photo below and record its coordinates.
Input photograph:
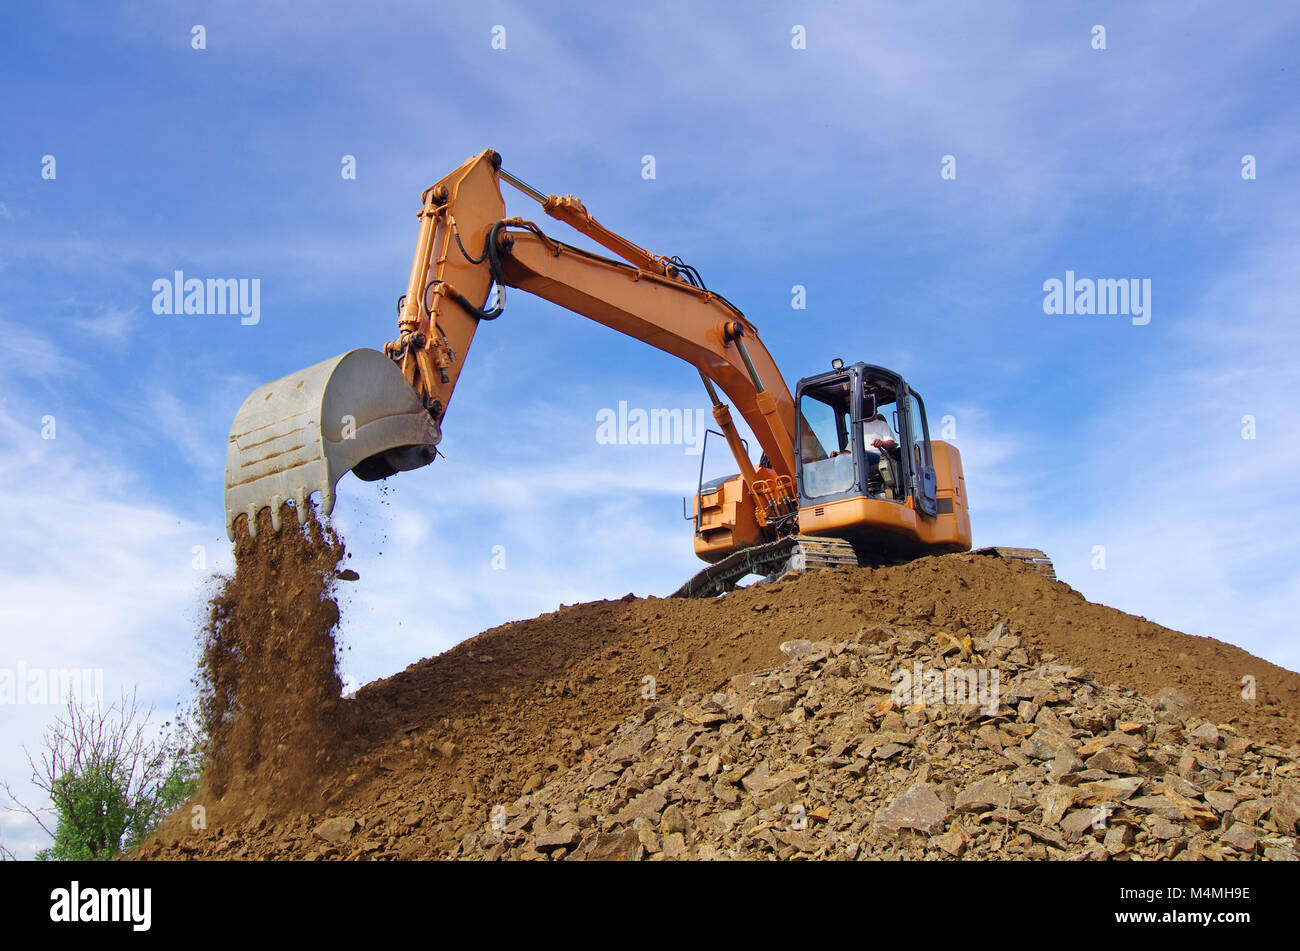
(793, 553)
(1030, 556)
(802, 552)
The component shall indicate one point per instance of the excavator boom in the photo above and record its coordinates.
(375, 414)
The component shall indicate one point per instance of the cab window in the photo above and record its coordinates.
(824, 446)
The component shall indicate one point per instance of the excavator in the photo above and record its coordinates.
(848, 473)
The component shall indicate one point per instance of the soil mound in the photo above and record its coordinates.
(427, 763)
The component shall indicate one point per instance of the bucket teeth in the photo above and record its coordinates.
(310, 428)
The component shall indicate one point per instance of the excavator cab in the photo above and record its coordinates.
(862, 433)
(900, 499)
(867, 471)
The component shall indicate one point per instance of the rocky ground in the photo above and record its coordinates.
(774, 723)
(816, 759)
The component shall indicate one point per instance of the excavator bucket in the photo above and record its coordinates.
(299, 434)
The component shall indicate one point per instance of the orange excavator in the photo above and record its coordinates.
(848, 472)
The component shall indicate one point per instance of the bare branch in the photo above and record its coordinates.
(23, 807)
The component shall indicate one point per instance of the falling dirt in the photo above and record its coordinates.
(269, 689)
(421, 758)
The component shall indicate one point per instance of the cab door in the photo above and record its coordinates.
(920, 460)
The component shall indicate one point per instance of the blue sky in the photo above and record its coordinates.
(774, 167)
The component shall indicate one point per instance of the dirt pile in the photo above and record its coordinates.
(453, 745)
(268, 676)
(895, 744)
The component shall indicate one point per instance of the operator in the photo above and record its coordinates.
(877, 434)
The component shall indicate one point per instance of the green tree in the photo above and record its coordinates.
(109, 781)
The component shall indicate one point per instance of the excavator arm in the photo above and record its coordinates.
(357, 412)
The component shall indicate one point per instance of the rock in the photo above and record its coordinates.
(725, 793)
(1043, 835)
(647, 836)
(1156, 805)
(1066, 762)
(1181, 786)
(919, 808)
(674, 846)
(1044, 744)
(646, 806)
(1165, 830)
(796, 648)
(1118, 839)
(796, 839)
(1206, 735)
(784, 794)
(1202, 815)
(953, 841)
(1175, 701)
(1236, 745)
(811, 759)
(336, 830)
(990, 737)
(557, 839)
(982, 795)
(1286, 809)
(1081, 821)
(1112, 761)
(911, 640)
(1221, 801)
(1055, 800)
(701, 716)
(1240, 837)
(773, 705)
(757, 780)
(673, 820)
(1108, 790)
(1094, 746)
(622, 846)
(1250, 811)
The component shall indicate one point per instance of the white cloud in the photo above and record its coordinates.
(109, 326)
(94, 574)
